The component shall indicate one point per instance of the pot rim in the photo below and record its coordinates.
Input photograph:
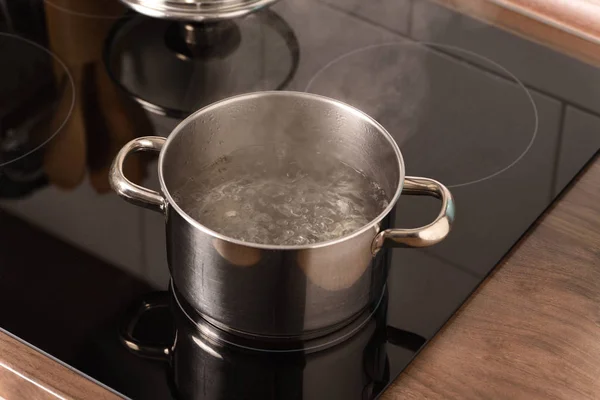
(353, 110)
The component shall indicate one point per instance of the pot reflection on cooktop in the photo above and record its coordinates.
(205, 362)
(175, 68)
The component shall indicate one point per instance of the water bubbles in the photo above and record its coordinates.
(281, 153)
(262, 218)
(271, 196)
(343, 206)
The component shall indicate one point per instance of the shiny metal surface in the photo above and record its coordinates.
(355, 357)
(354, 367)
(197, 10)
(182, 62)
(126, 335)
(427, 235)
(133, 193)
(280, 291)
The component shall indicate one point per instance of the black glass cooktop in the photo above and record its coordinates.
(505, 123)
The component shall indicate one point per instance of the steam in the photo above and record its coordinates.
(389, 82)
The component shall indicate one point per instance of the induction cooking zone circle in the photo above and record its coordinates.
(197, 10)
(37, 98)
(458, 117)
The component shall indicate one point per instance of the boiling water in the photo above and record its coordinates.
(272, 196)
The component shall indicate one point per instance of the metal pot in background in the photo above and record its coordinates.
(197, 10)
(174, 68)
(208, 363)
(280, 292)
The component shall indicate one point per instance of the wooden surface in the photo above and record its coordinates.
(27, 374)
(569, 26)
(578, 17)
(532, 330)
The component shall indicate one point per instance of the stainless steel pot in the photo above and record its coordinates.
(280, 291)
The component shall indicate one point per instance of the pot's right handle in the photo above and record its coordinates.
(136, 194)
(427, 235)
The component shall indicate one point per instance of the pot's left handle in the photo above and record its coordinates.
(136, 194)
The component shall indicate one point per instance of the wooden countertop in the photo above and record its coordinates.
(532, 329)
(26, 373)
(578, 17)
(569, 26)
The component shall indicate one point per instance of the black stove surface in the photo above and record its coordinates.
(505, 123)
